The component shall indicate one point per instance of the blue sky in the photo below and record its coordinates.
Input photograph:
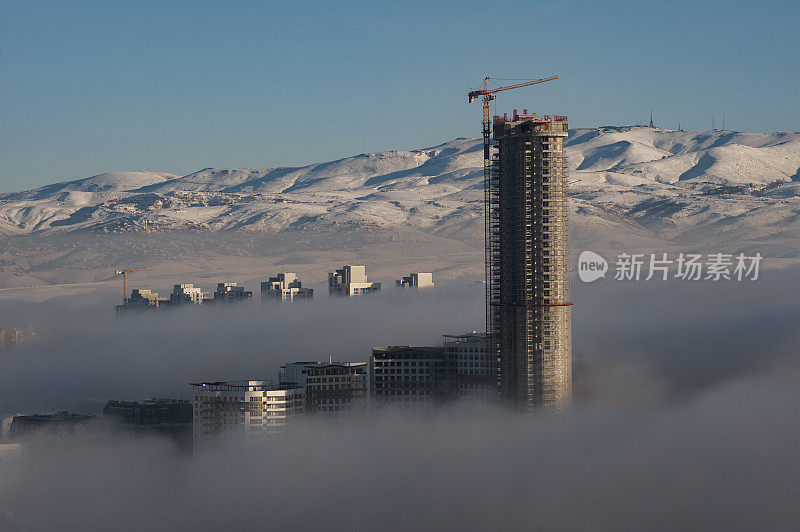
(94, 86)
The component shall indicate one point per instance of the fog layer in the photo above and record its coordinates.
(686, 416)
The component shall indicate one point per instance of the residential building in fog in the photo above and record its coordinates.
(241, 411)
(404, 375)
(142, 300)
(337, 387)
(470, 367)
(10, 458)
(171, 418)
(285, 287)
(351, 281)
(62, 425)
(11, 338)
(5, 428)
(231, 293)
(295, 372)
(187, 294)
(331, 387)
(420, 281)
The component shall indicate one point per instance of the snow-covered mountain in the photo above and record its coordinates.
(674, 185)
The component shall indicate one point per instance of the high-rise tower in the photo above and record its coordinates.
(527, 258)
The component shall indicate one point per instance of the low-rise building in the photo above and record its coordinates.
(285, 287)
(187, 294)
(231, 293)
(420, 281)
(405, 375)
(241, 411)
(351, 281)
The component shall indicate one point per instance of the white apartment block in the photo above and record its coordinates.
(242, 411)
(420, 281)
(285, 287)
(351, 281)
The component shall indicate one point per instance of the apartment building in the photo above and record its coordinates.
(470, 367)
(183, 294)
(418, 281)
(231, 293)
(285, 287)
(337, 387)
(243, 411)
(351, 281)
(405, 375)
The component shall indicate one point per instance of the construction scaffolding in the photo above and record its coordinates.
(528, 308)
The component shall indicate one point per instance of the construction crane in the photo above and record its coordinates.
(124, 274)
(489, 192)
(488, 96)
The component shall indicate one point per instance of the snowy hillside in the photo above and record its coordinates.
(672, 185)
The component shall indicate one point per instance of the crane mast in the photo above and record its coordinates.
(490, 199)
(124, 273)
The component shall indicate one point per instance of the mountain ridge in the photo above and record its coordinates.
(663, 182)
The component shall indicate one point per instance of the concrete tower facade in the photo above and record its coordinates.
(530, 311)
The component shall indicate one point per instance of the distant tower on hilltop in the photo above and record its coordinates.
(651, 117)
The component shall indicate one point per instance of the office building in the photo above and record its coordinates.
(285, 287)
(351, 281)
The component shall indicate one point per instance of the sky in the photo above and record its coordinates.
(90, 87)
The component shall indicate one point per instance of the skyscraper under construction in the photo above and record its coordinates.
(528, 308)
